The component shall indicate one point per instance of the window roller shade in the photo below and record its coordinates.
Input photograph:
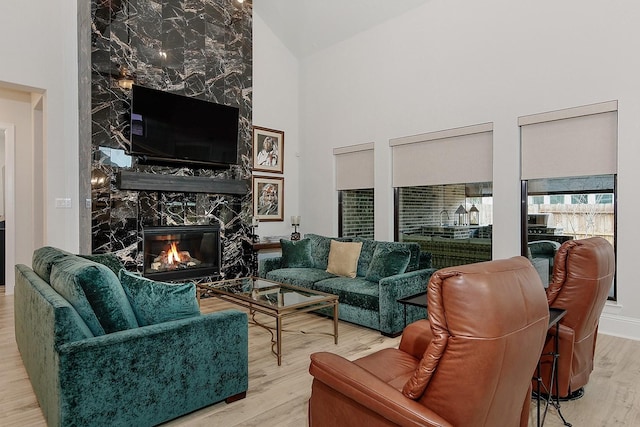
(573, 142)
(454, 156)
(354, 167)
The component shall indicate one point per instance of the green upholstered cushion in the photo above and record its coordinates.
(108, 259)
(44, 258)
(414, 248)
(387, 261)
(320, 246)
(156, 302)
(296, 254)
(356, 292)
(303, 277)
(96, 294)
(366, 254)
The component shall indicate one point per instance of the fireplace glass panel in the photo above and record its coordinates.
(181, 252)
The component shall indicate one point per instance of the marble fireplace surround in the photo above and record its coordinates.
(199, 49)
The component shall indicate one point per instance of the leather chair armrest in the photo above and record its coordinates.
(416, 338)
(359, 385)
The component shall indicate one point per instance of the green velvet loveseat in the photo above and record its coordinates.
(386, 272)
(103, 349)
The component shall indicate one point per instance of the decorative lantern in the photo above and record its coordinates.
(462, 215)
(474, 215)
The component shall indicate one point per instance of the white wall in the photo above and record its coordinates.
(276, 106)
(454, 63)
(38, 50)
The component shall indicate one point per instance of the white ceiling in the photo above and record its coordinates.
(307, 26)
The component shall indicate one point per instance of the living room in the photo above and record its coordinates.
(439, 66)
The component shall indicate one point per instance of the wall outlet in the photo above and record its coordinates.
(63, 203)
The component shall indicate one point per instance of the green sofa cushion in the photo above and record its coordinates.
(43, 260)
(414, 248)
(356, 292)
(366, 254)
(320, 246)
(303, 277)
(296, 254)
(156, 302)
(108, 259)
(96, 294)
(387, 261)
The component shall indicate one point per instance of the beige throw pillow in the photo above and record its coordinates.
(343, 258)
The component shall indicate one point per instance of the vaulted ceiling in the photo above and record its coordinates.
(307, 26)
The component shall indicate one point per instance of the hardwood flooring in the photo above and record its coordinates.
(278, 395)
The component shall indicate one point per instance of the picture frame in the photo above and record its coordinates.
(268, 150)
(268, 198)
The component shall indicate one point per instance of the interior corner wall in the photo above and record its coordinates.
(276, 106)
(449, 64)
(41, 58)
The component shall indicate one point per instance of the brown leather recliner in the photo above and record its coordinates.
(470, 364)
(582, 277)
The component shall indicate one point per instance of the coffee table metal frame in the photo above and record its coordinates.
(252, 292)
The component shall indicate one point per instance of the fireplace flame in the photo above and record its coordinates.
(173, 257)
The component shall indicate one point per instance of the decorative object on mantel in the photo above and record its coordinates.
(295, 222)
(268, 198)
(255, 221)
(268, 150)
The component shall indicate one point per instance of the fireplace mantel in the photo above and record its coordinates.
(130, 180)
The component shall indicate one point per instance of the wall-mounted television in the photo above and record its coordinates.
(170, 128)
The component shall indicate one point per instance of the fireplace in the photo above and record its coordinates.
(181, 252)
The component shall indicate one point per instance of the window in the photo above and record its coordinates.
(355, 213)
(354, 183)
(579, 207)
(437, 218)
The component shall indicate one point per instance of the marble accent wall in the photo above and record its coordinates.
(197, 48)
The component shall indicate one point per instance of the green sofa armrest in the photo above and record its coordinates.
(152, 374)
(268, 264)
(399, 286)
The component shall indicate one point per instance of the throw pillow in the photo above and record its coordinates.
(43, 260)
(95, 293)
(156, 302)
(343, 258)
(387, 262)
(108, 259)
(296, 254)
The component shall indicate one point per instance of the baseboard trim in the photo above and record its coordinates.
(619, 326)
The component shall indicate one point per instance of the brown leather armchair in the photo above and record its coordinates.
(582, 278)
(470, 364)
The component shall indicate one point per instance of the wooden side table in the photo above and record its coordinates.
(257, 247)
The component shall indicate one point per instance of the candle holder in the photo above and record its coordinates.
(295, 222)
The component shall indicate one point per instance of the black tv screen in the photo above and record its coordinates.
(170, 128)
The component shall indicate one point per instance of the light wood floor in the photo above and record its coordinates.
(278, 395)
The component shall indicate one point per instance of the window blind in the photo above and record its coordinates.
(572, 142)
(354, 167)
(452, 156)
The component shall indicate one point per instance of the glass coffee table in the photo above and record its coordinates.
(274, 299)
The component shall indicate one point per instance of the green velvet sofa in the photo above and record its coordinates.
(368, 299)
(103, 349)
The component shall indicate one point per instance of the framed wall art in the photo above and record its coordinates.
(268, 198)
(268, 150)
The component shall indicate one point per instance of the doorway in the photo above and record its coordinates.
(7, 204)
